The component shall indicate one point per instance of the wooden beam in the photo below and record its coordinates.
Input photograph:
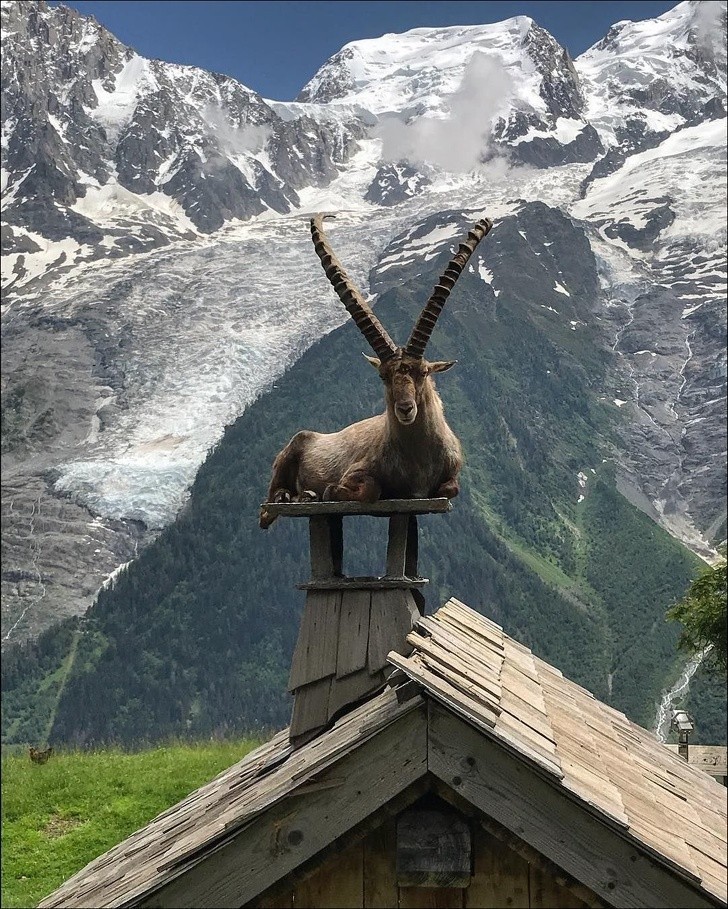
(410, 564)
(292, 831)
(376, 833)
(382, 509)
(397, 545)
(327, 546)
(533, 807)
(515, 854)
(365, 583)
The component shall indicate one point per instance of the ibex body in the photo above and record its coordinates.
(409, 451)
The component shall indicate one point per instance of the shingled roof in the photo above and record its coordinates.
(617, 768)
(558, 747)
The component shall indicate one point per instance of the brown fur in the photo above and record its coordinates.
(40, 757)
(408, 451)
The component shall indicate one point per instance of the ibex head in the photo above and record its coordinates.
(404, 370)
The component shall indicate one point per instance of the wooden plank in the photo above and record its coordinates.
(278, 900)
(382, 508)
(711, 758)
(500, 879)
(327, 546)
(412, 553)
(434, 848)
(310, 707)
(459, 638)
(546, 893)
(441, 689)
(353, 632)
(397, 545)
(316, 648)
(337, 884)
(364, 583)
(285, 836)
(432, 652)
(380, 871)
(516, 845)
(393, 615)
(382, 819)
(431, 898)
(620, 871)
(347, 691)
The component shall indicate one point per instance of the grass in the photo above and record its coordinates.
(58, 816)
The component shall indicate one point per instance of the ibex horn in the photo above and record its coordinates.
(357, 307)
(428, 317)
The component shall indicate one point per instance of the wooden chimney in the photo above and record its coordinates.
(350, 624)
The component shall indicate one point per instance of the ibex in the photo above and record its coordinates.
(408, 451)
(38, 756)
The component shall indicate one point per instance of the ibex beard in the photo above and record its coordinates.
(409, 451)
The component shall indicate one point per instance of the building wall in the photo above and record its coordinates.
(365, 875)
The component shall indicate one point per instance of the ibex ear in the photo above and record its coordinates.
(375, 361)
(441, 365)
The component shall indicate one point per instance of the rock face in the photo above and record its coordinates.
(89, 126)
(158, 274)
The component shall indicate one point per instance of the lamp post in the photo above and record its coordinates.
(684, 724)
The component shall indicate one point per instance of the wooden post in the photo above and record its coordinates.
(350, 625)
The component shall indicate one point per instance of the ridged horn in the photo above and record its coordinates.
(357, 307)
(424, 326)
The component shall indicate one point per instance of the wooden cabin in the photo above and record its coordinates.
(464, 772)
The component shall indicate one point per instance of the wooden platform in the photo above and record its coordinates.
(384, 508)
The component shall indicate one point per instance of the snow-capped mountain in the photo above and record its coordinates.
(106, 153)
(158, 271)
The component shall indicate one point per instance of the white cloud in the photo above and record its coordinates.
(458, 142)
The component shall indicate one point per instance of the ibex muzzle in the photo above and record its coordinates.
(409, 451)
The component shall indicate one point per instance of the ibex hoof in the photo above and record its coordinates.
(281, 496)
(308, 495)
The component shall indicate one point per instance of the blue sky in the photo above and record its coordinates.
(275, 46)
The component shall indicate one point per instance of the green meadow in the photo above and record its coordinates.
(58, 816)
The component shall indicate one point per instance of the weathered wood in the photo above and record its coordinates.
(434, 848)
(619, 871)
(393, 615)
(327, 546)
(546, 893)
(368, 834)
(364, 583)
(347, 691)
(515, 844)
(310, 707)
(316, 648)
(711, 758)
(281, 899)
(380, 868)
(431, 898)
(382, 508)
(353, 632)
(397, 545)
(500, 880)
(285, 836)
(338, 883)
(411, 556)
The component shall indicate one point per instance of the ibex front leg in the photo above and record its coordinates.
(357, 485)
(448, 489)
